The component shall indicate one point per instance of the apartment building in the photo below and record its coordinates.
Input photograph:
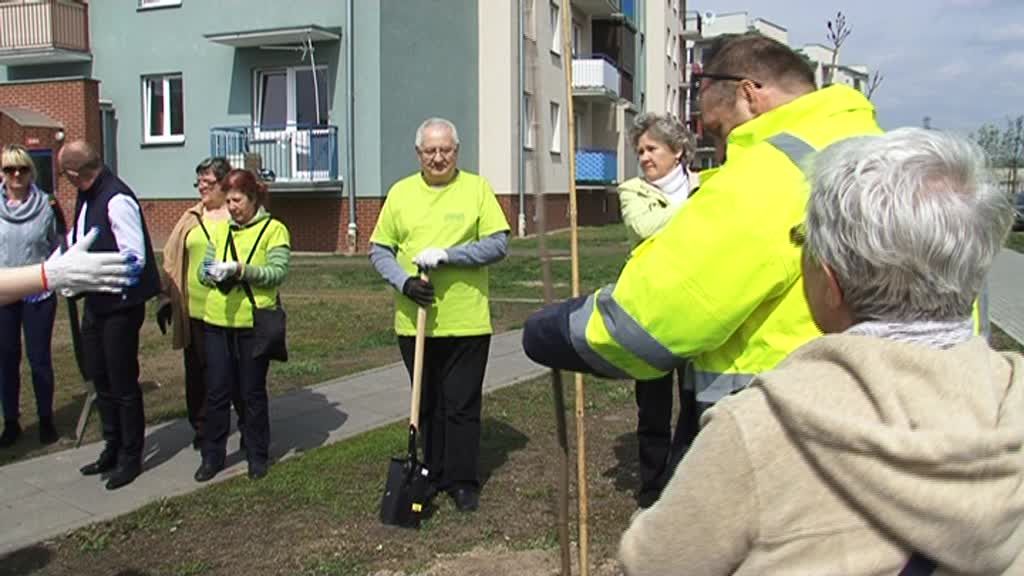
(324, 100)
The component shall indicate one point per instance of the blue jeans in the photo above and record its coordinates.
(35, 319)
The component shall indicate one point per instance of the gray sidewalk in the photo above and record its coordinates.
(46, 496)
(1006, 293)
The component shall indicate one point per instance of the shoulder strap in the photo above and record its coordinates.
(234, 254)
(201, 225)
(793, 147)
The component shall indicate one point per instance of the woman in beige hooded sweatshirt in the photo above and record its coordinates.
(895, 437)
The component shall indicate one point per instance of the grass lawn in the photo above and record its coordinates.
(1016, 241)
(340, 317)
(316, 514)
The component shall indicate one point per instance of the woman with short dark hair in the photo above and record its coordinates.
(246, 261)
(183, 298)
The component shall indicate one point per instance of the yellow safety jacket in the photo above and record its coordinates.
(720, 284)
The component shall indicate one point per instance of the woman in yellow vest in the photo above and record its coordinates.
(247, 260)
(183, 301)
(664, 148)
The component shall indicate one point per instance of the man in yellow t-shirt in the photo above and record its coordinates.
(448, 222)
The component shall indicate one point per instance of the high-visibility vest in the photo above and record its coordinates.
(721, 284)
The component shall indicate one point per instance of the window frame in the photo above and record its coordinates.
(291, 96)
(166, 136)
(556, 28)
(555, 111)
(529, 115)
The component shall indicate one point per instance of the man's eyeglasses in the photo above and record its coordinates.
(698, 79)
(12, 170)
(204, 183)
(69, 173)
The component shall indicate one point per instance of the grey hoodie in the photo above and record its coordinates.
(28, 231)
(850, 455)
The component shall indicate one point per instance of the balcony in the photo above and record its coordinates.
(596, 166)
(44, 32)
(302, 158)
(600, 8)
(595, 77)
(694, 26)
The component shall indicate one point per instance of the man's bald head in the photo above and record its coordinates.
(80, 163)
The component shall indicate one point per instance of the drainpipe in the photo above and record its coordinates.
(350, 129)
(523, 127)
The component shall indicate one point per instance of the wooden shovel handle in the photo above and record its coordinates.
(417, 363)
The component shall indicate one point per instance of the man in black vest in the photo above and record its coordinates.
(111, 322)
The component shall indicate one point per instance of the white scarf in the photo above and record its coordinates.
(675, 185)
(928, 333)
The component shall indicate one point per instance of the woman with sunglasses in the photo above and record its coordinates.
(28, 234)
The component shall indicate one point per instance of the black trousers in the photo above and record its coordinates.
(660, 450)
(230, 366)
(450, 403)
(35, 319)
(111, 346)
(195, 379)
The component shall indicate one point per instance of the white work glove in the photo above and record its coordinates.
(77, 270)
(221, 271)
(431, 258)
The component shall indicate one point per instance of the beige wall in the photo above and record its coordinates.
(498, 106)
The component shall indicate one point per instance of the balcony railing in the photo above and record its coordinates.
(44, 31)
(284, 153)
(596, 166)
(595, 75)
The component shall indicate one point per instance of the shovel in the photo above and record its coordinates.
(406, 488)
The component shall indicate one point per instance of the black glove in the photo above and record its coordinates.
(163, 317)
(419, 291)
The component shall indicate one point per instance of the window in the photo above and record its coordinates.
(158, 3)
(577, 38)
(528, 121)
(556, 128)
(668, 43)
(556, 29)
(163, 109)
(291, 97)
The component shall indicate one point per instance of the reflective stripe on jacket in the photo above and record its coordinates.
(721, 282)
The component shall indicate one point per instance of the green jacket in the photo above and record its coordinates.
(720, 284)
(645, 208)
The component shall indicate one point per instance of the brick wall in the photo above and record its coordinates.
(74, 103)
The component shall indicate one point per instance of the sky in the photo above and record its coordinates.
(959, 62)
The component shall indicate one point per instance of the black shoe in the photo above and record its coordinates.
(47, 432)
(123, 476)
(207, 470)
(105, 463)
(257, 471)
(12, 431)
(466, 499)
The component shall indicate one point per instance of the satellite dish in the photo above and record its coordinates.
(709, 17)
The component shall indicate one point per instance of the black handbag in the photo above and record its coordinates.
(269, 325)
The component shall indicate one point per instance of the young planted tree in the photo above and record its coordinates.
(837, 33)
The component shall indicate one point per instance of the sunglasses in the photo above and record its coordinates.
(12, 170)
